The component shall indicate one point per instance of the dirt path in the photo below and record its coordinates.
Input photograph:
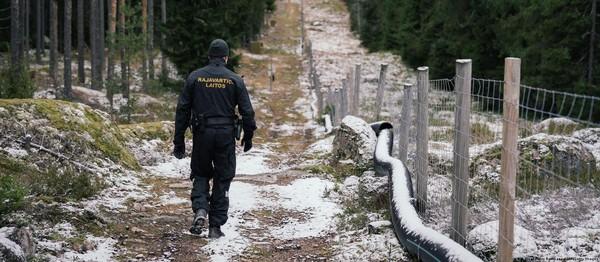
(277, 211)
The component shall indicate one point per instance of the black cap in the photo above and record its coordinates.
(218, 48)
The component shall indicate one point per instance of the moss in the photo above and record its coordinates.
(355, 210)
(562, 129)
(150, 130)
(339, 171)
(107, 136)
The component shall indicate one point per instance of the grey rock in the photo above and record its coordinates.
(22, 236)
(378, 227)
(484, 241)
(354, 140)
(11, 251)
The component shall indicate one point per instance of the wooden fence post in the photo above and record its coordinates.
(510, 157)
(422, 160)
(405, 122)
(462, 134)
(344, 96)
(356, 92)
(380, 88)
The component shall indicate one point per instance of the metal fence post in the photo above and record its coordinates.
(462, 134)
(510, 157)
(380, 88)
(356, 92)
(405, 122)
(422, 159)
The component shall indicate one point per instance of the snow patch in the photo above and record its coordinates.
(104, 251)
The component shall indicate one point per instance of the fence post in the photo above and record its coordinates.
(422, 159)
(356, 92)
(380, 88)
(510, 153)
(337, 105)
(462, 134)
(344, 96)
(405, 122)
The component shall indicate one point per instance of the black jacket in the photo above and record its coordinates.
(213, 91)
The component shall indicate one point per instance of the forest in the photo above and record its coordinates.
(113, 34)
(555, 39)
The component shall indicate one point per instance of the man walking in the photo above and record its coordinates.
(207, 105)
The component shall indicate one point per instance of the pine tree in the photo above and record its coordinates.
(54, 44)
(80, 41)
(151, 39)
(39, 31)
(67, 50)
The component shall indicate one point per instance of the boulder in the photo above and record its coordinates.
(591, 139)
(11, 251)
(556, 126)
(542, 157)
(484, 242)
(378, 227)
(354, 140)
(21, 236)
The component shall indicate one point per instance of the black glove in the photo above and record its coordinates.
(179, 151)
(247, 141)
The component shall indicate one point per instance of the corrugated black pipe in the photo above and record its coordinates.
(423, 242)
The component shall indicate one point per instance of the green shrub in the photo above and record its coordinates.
(164, 85)
(15, 86)
(65, 185)
(11, 194)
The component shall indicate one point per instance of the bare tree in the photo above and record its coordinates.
(112, 23)
(26, 45)
(54, 43)
(163, 18)
(15, 36)
(590, 73)
(124, 67)
(101, 32)
(80, 41)
(67, 50)
(94, 41)
(39, 30)
(145, 52)
(151, 39)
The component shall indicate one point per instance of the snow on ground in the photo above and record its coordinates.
(306, 195)
(104, 251)
(303, 195)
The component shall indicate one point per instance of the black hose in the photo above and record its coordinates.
(423, 242)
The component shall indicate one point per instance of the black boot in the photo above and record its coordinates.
(199, 222)
(215, 232)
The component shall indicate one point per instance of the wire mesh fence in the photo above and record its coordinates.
(557, 186)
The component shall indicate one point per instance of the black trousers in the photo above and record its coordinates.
(213, 158)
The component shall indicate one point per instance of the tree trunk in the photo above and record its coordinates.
(145, 35)
(590, 74)
(15, 58)
(67, 50)
(39, 31)
(54, 43)
(124, 73)
(151, 39)
(163, 11)
(101, 38)
(112, 23)
(94, 41)
(80, 41)
(26, 44)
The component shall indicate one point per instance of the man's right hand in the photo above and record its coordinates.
(179, 151)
